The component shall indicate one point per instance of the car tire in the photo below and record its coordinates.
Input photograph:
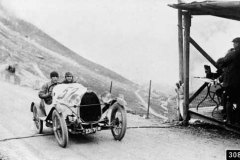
(118, 121)
(38, 123)
(60, 129)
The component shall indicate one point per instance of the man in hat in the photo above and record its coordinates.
(231, 81)
(69, 78)
(46, 91)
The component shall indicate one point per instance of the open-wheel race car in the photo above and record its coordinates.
(77, 110)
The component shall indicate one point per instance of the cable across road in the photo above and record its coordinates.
(40, 135)
(23, 137)
(135, 127)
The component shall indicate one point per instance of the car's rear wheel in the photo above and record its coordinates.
(38, 123)
(60, 129)
(118, 121)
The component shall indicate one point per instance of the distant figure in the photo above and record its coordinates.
(11, 68)
(68, 78)
(11, 72)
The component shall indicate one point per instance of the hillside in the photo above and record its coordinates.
(35, 54)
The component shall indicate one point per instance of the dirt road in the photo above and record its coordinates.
(165, 143)
(145, 105)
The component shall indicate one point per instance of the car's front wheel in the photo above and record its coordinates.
(60, 129)
(118, 121)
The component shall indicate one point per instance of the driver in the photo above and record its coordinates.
(68, 78)
(46, 91)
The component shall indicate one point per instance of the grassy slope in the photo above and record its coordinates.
(24, 44)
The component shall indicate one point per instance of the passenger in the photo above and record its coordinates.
(232, 82)
(68, 78)
(46, 91)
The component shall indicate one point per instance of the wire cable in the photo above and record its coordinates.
(39, 135)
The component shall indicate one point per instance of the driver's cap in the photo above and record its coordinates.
(54, 74)
(68, 74)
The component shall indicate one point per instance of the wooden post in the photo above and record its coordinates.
(198, 92)
(149, 98)
(187, 24)
(203, 52)
(111, 87)
(180, 43)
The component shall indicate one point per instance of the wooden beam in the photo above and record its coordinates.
(230, 127)
(218, 9)
(215, 12)
(187, 24)
(203, 52)
(229, 17)
(200, 13)
(198, 92)
(180, 43)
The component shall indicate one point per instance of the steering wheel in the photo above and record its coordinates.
(51, 86)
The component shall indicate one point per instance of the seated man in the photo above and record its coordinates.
(46, 91)
(221, 92)
(68, 78)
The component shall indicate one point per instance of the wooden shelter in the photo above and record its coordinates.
(186, 11)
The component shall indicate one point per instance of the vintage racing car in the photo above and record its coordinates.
(77, 110)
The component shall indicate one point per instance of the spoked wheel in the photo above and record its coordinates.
(60, 129)
(119, 121)
(38, 123)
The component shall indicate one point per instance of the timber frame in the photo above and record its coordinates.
(223, 9)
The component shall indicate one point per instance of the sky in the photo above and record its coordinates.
(135, 38)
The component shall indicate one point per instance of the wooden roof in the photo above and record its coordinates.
(224, 9)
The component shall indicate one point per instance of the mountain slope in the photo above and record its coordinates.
(35, 54)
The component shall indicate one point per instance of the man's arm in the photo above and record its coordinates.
(43, 92)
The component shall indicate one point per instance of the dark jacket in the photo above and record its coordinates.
(232, 73)
(46, 92)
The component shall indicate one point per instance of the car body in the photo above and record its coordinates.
(77, 110)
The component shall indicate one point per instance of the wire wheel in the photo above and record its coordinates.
(60, 129)
(38, 123)
(118, 121)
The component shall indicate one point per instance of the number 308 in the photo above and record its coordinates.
(233, 154)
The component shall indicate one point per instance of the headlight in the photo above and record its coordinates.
(74, 100)
(106, 97)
